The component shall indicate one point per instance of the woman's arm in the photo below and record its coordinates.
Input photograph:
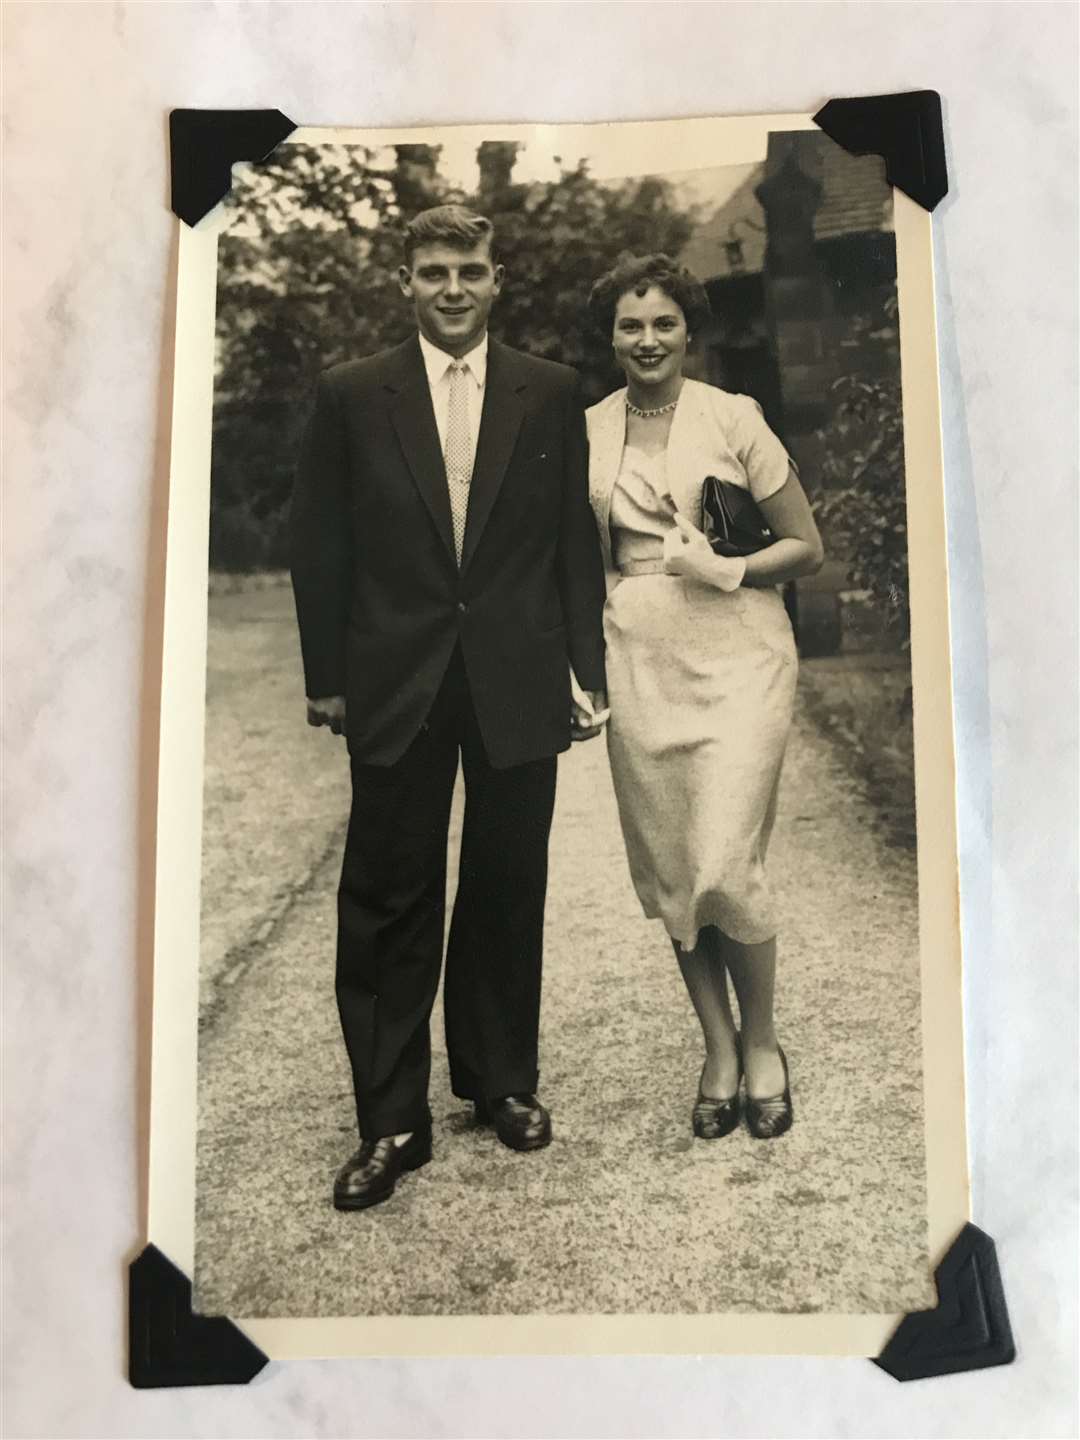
(797, 549)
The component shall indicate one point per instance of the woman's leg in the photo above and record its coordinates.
(706, 980)
(753, 973)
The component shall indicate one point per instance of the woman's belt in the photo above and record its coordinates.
(642, 567)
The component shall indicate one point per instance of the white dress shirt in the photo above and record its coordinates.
(437, 364)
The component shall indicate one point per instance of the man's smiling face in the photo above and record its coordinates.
(452, 291)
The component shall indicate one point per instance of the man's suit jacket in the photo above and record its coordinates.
(380, 600)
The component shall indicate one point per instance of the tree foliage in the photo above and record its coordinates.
(307, 278)
(863, 504)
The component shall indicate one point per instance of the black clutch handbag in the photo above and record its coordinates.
(731, 521)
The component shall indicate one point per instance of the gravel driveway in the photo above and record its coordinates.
(624, 1212)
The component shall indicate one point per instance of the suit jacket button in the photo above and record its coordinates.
(462, 607)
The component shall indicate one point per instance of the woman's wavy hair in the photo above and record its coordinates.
(635, 274)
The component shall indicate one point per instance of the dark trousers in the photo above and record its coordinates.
(391, 911)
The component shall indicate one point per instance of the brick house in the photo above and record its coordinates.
(799, 263)
(795, 262)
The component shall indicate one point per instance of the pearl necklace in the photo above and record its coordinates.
(648, 414)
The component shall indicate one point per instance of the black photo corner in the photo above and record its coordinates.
(205, 145)
(968, 1329)
(906, 130)
(170, 1345)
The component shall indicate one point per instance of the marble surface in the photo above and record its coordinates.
(88, 249)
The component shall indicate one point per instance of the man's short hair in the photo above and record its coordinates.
(638, 273)
(448, 225)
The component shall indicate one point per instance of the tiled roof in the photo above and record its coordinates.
(857, 199)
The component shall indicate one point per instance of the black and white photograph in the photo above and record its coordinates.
(559, 892)
(541, 746)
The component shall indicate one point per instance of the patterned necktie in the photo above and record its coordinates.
(458, 455)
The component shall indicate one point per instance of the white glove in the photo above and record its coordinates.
(687, 552)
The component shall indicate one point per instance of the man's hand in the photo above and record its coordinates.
(329, 711)
(589, 719)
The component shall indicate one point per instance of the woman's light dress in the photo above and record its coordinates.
(701, 684)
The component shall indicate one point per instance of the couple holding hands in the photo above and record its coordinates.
(456, 526)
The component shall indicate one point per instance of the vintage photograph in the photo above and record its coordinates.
(559, 939)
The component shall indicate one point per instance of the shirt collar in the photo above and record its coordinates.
(437, 362)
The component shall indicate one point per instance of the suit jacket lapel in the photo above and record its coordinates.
(500, 422)
(414, 420)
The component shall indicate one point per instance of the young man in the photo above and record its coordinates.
(447, 575)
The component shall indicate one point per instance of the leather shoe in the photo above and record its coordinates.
(520, 1121)
(712, 1118)
(772, 1117)
(369, 1176)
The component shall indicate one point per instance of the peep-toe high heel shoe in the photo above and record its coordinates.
(769, 1118)
(713, 1119)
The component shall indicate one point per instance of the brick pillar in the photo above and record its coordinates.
(798, 298)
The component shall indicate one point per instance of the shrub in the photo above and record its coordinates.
(863, 504)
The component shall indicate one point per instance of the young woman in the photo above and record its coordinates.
(701, 672)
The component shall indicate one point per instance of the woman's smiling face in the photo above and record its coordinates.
(650, 337)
